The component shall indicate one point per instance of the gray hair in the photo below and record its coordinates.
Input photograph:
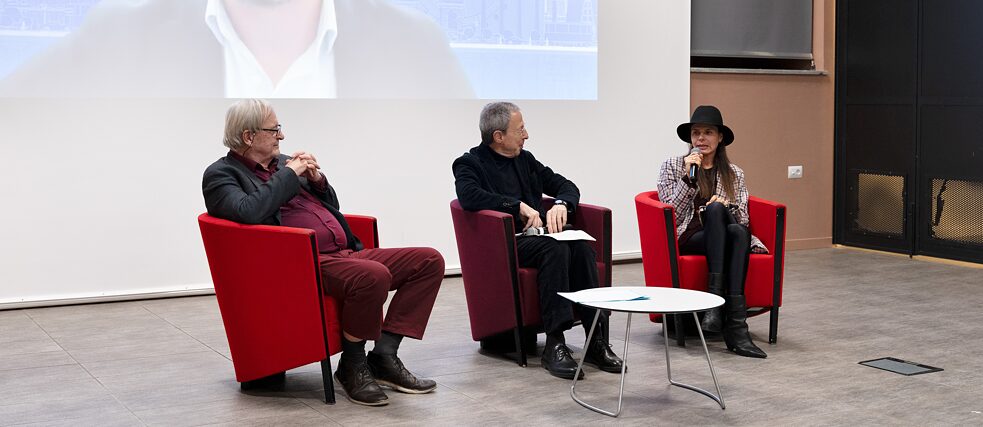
(247, 114)
(495, 116)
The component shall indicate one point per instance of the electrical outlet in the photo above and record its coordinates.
(794, 172)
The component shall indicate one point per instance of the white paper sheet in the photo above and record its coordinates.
(609, 294)
(568, 235)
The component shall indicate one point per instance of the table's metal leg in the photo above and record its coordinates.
(624, 366)
(718, 397)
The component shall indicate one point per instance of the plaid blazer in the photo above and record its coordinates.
(674, 191)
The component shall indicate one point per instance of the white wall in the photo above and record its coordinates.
(100, 196)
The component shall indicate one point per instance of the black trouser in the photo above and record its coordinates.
(726, 245)
(563, 267)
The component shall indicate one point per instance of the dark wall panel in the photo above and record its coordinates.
(952, 49)
(880, 137)
(880, 49)
(951, 141)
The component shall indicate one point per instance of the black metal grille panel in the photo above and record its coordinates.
(880, 207)
(957, 211)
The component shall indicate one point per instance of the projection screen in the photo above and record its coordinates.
(116, 118)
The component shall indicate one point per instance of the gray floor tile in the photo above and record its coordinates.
(66, 411)
(239, 407)
(16, 377)
(35, 360)
(41, 344)
(278, 421)
(167, 362)
(178, 344)
(203, 366)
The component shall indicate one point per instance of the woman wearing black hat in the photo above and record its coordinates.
(710, 198)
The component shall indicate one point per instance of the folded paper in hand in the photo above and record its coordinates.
(609, 294)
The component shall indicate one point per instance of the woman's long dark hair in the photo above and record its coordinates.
(727, 177)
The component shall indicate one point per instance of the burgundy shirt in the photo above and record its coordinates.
(304, 210)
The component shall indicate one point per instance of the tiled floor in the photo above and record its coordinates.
(166, 362)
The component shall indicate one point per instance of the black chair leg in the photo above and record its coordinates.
(273, 382)
(680, 330)
(520, 346)
(773, 326)
(328, 381)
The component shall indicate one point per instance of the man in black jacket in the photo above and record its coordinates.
(249, 186)
(499, 175)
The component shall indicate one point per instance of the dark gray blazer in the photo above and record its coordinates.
(233, 192)
(164, 48)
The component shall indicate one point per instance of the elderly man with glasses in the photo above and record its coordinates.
(255, 184)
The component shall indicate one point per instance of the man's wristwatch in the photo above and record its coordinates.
(561, 203)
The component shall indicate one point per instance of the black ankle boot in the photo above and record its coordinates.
(736, 335)
(713, 319)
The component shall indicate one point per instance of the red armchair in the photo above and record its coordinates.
(664, 266)
(269, 292)
(502, 297)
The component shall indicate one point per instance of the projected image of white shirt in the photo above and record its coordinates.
(237, 48)
(248, 75)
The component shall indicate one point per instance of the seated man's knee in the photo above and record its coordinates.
(560, 250)
(433, 261)
(374, 278)
(580, 249)
(554, 252)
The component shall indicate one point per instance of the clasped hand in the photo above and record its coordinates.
(718, 199)
(305, 165)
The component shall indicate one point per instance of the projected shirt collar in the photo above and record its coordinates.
(312, 75)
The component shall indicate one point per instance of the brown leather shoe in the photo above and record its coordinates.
(389, 371)
(359, 385)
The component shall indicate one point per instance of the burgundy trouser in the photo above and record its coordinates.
(361, 281)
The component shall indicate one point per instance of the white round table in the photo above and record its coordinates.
(652, 300)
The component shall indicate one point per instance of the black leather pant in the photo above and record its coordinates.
(726, 245)
(563, 267)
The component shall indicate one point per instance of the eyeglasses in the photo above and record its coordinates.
(520, 131)
(278, 130)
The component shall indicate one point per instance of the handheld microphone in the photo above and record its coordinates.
(693, 167)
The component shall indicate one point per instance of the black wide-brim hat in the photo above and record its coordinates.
(705, 115)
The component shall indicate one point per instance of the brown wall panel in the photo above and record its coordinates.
(779, 121)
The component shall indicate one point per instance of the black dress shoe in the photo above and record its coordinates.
(600, 355)
(389, 371)
(560, 363)
(359, 385)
